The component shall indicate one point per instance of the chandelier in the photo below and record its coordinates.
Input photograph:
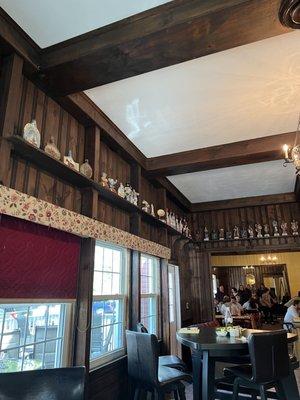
(269, 259)
(292, 155)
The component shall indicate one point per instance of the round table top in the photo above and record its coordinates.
(207, 339)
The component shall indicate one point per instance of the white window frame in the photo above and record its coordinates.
(154, 295)
(115, 354)
(68, 324)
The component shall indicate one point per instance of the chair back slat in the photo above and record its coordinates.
(269, 356)
(142, 356)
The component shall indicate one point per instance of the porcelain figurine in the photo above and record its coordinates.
(112, 184)
(206, 234)
(275, 228)
(258, 229)
(197, 236)
(266, 231)
(134, 197)
(214, 235)
(284, 227)
(121, 191)
(221, 234)
(228, 235)
(104, 180)
(161, 215)
(128, 192)
(69, 161)
(152, 212)
(145, 206)
(294, 227)
(168, 217)
(180, 225)
(86, 169)
(236, 232)
(250, 232)
(244, 232)
(31, 134)
(52, 149)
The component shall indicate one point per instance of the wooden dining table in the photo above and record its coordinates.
(207, 348)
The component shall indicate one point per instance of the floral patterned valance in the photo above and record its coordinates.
(20, 205)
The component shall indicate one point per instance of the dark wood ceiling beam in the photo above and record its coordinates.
(88, 113)
(14, 39)
(244, 202)
(172, 33)
(175, 194)
(250, 151)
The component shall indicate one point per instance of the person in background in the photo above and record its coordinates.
(242, 293)
(225, 305)
(238, 299)
(274, 301)
(217, 306)
(235, 308)
(251, 304)
(266, 305)
(285, 298)
(220, 293)
(260, 290)
(292, 312)
(248, 292)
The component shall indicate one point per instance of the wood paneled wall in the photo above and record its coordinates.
(52, 120)
(234, 276)
(227, 219)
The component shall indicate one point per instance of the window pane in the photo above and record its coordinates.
(31, 336)
(107, 327)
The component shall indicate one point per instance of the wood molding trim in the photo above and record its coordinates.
(244, 202)
(250, 151)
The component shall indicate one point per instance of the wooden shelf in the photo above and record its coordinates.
(43, 160)
(245, 240)
(57, 168)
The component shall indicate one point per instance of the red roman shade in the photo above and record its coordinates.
(37, 262)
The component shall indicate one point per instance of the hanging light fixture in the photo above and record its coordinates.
(268, 259)
(292, 154)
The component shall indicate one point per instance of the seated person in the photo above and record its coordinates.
(292, 312)
(251, 304)
(225, 304)
(220, 293)
(217, 306)
(235, 308)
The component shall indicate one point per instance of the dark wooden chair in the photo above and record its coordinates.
(270, 364)
(145, 372)
(58, 384)
(171, 360)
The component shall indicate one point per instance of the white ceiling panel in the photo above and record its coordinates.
(51, 21)
(242, 93)
(236, 182)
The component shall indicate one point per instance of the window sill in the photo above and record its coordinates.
(108, 364)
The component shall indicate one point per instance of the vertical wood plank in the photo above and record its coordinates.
(11, 92)
(135, 180)
(84, 304)
(165, 320)
(134, 305)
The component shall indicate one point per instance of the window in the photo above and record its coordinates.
(33, 336)
(150, 293)
(109, 304)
